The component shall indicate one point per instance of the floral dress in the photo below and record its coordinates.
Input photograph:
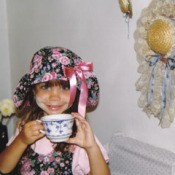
(55, 163)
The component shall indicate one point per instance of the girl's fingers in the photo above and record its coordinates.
(29, 124)
(30, 127)
(78, 124)
(81, 121)
(77, 115)
(36, 132)
(33, 128)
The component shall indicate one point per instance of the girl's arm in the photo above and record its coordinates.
(12, 154)
(98, 165)
(85, 139)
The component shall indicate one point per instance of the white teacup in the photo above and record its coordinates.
(58, 127)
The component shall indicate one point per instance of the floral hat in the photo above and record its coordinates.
(58, 63)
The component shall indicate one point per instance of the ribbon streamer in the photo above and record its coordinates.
(170, 65)
(74, 73)
(152, 64)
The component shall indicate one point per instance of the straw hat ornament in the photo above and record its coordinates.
(155, 48)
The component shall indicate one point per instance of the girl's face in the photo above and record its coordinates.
(52, 96)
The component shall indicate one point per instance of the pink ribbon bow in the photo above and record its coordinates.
(71, 73)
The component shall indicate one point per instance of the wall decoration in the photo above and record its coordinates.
(155, 49)
(126, 9)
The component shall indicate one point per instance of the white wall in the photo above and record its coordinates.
(5, 88)
(5, 70)
(96, 31)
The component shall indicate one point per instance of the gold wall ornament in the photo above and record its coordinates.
(126, 7)
(159, 36)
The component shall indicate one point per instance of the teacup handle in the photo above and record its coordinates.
(42, 131)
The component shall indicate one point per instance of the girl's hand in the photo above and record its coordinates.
(31, 132)
(84, 136)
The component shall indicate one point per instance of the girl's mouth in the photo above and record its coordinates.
(54, 107)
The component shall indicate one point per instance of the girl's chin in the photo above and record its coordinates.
(53, 112)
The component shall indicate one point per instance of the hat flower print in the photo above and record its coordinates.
(155, 49)
(58, 63)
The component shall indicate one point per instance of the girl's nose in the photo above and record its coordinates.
(55, 93)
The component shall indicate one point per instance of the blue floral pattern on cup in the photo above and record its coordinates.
(58, 130)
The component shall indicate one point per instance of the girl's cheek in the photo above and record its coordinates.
(39, 102)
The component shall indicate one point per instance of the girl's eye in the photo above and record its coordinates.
(44, 87)
(65, 86)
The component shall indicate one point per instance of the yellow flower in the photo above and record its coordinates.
(7, 107)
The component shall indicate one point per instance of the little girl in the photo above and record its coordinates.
(58, 82)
